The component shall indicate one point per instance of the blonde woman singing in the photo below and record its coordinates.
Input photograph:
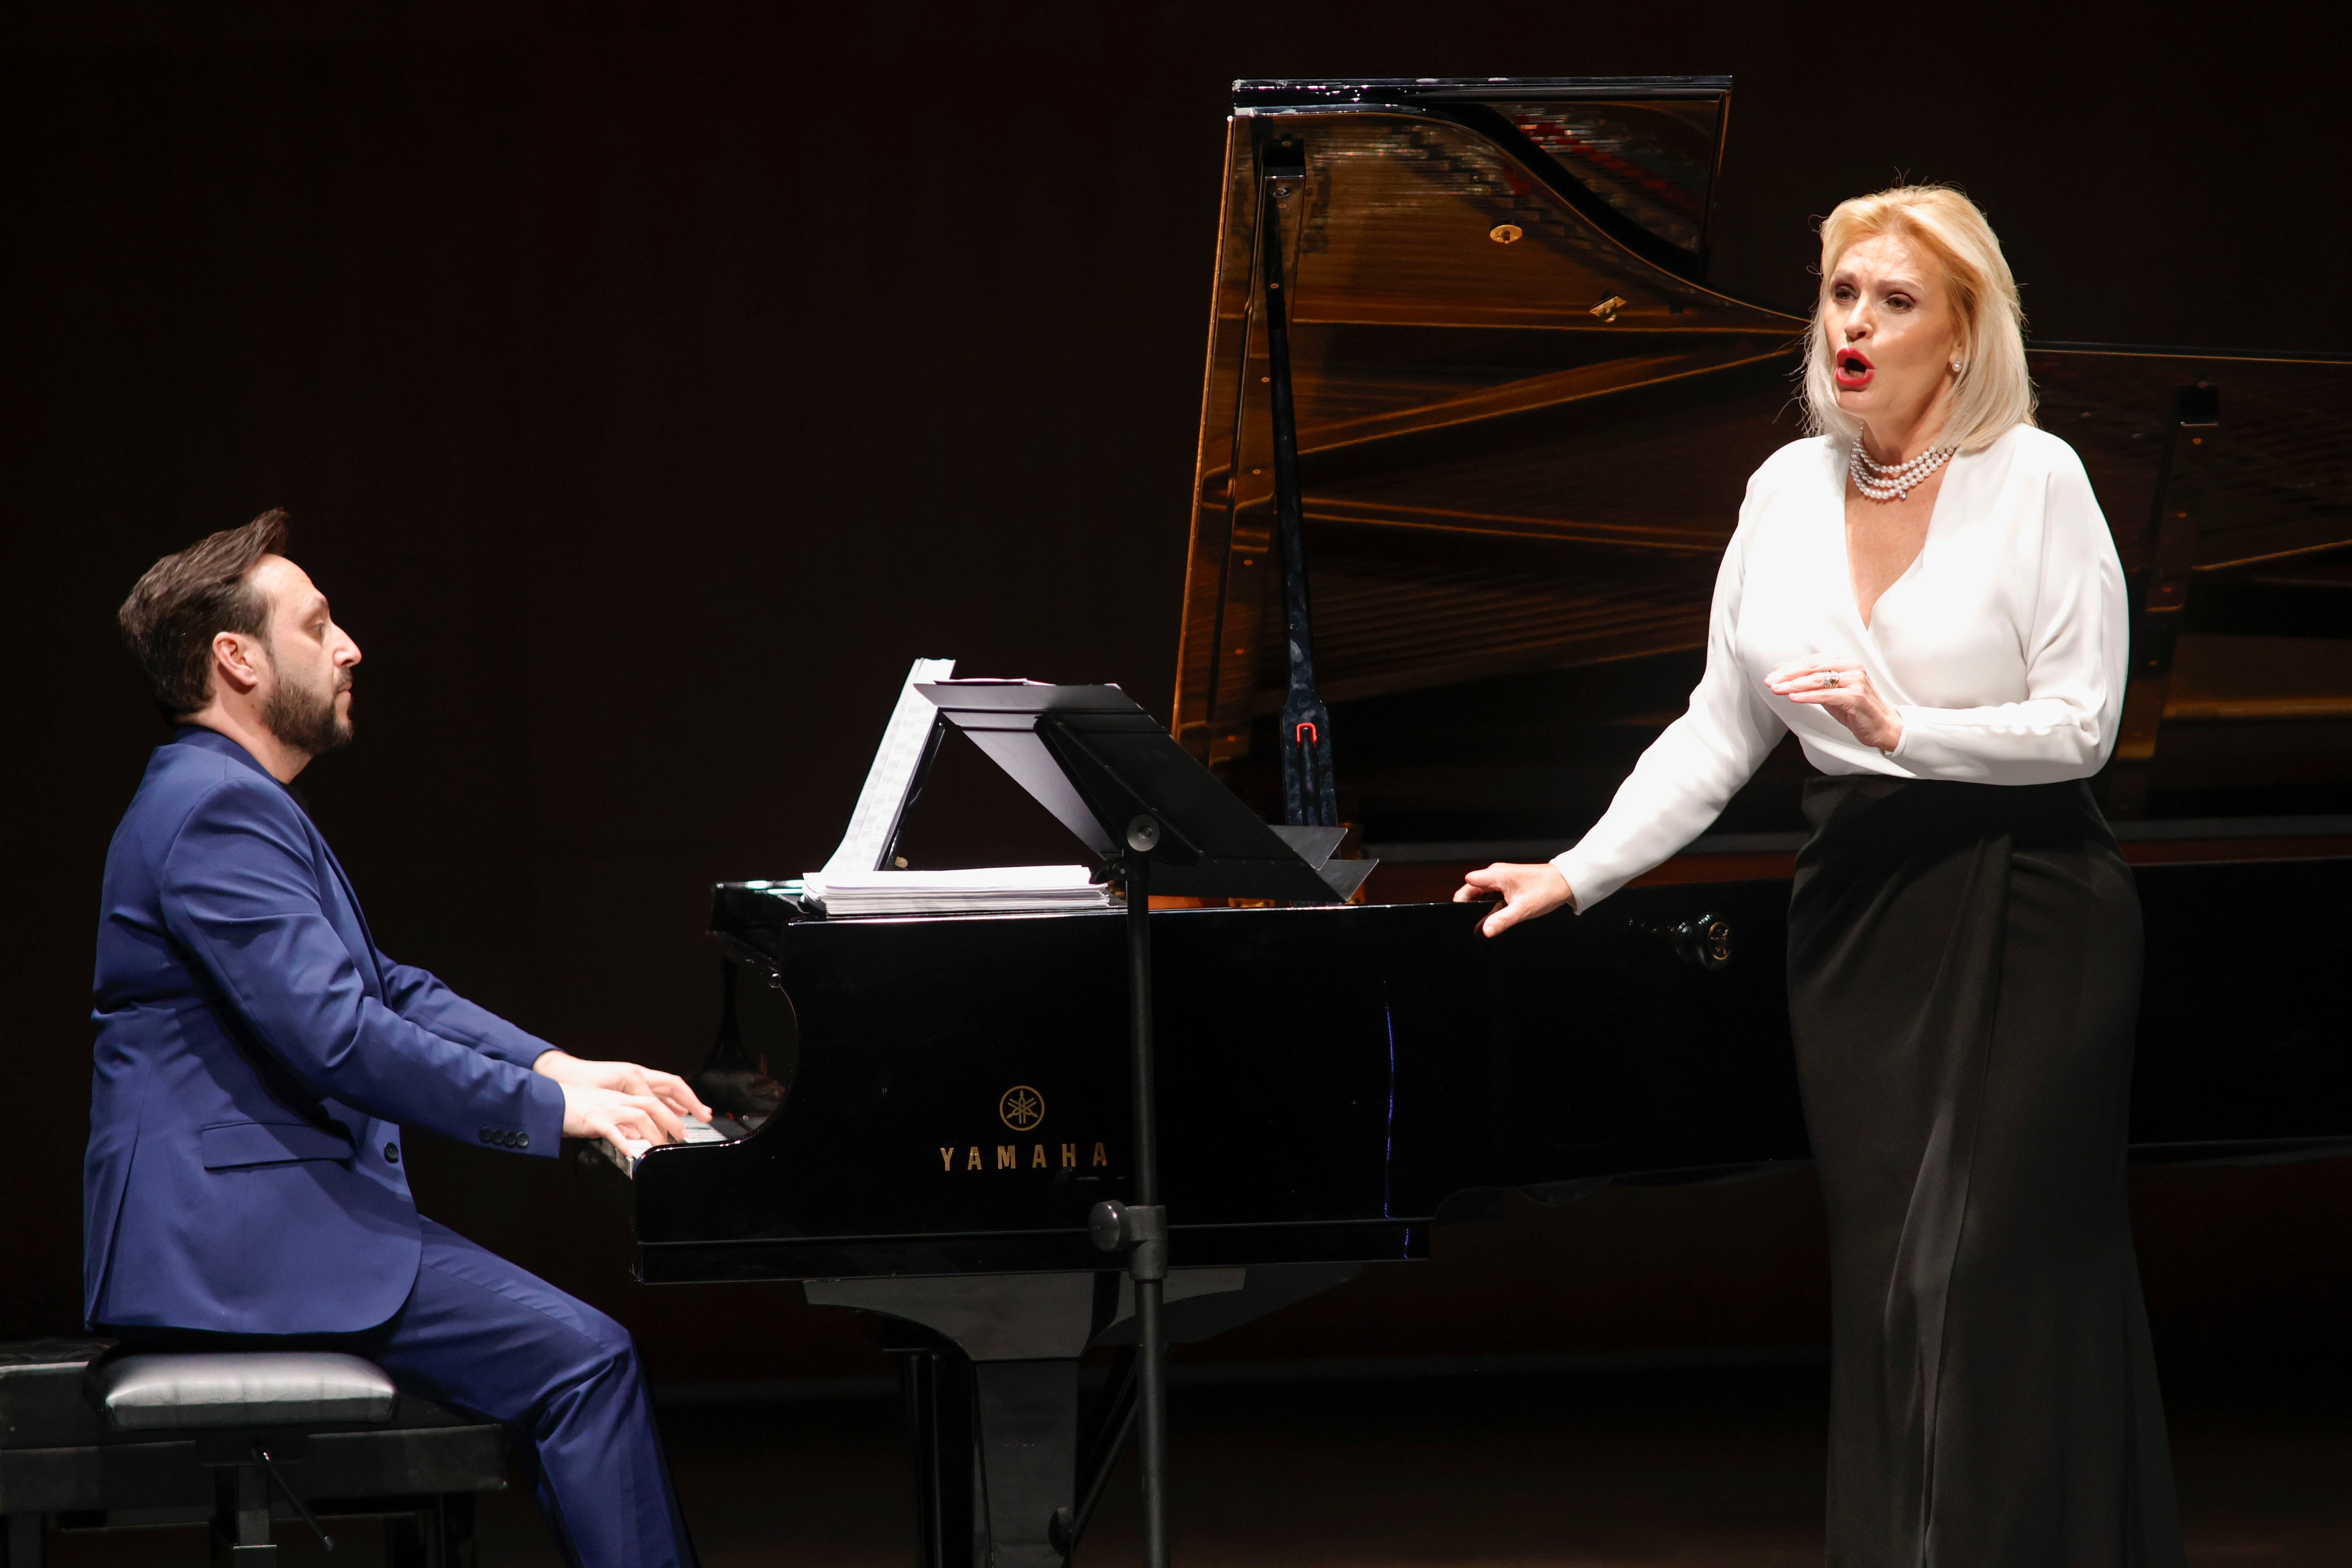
(1926, 593)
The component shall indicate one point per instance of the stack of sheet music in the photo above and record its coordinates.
(987, 890)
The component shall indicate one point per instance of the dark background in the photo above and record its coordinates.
(649, 383)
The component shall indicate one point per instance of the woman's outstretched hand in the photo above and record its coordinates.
(1527, 891)
(1841, 686)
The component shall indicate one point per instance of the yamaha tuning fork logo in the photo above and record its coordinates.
(1022, 1109)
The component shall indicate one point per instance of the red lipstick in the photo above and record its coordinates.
(1854, 369)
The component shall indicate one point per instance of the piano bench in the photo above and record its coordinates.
(95, 1440)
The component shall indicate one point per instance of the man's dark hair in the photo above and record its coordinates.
(187, 599)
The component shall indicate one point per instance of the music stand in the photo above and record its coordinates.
(1107, 772)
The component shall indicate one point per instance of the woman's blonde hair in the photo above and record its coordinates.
(1994, 392)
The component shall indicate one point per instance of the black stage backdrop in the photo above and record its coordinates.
(650, 383)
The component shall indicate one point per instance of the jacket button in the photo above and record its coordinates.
(489, 1136)
(392, 1154)
(522, 1140)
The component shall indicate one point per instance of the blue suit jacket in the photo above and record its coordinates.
(257, 1060)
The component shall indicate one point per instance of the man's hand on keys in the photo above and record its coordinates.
(621, 1102)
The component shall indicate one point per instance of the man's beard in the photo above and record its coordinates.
(304, 719)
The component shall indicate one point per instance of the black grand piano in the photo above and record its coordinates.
(1473, 436)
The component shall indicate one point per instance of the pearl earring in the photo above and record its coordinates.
(1956, 366)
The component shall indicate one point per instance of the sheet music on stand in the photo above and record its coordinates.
(892, 776)
(855, 882)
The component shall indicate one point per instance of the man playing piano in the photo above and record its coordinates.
(257, 1059)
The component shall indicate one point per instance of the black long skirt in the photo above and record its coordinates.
(1964, 978)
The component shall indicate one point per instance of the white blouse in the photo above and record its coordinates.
(2002, 647)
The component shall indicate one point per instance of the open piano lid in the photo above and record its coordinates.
(1524, 426)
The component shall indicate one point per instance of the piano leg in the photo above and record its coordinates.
(989, 1365)
(1027, 1414)
(935, 1381)
(994, 1448)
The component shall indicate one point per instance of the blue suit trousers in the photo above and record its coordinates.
(480, 1333)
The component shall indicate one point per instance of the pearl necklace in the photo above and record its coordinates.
(1892, 482)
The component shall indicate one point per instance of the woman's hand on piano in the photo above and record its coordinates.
(1527, 891)
(667, 1091)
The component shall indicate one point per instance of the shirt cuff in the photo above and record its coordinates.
(1902, 750)
(1563, 863)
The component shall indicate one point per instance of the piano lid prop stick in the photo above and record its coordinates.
(1309, 796)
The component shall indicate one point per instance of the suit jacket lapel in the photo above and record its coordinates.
(349, 920)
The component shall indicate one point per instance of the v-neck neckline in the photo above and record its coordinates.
(1869, 624)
